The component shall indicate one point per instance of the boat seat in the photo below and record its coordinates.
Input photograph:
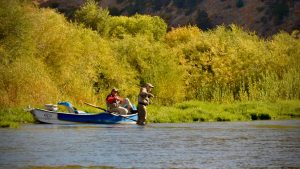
(69, 107)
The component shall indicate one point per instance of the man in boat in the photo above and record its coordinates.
(143, 101)
(117, 104)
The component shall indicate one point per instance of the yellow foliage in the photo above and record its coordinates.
(44, 58)
(182, 35)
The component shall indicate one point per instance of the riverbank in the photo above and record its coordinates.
(13, 117)
(196, 111)
(189, 111)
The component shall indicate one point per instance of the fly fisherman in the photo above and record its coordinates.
(143, 101)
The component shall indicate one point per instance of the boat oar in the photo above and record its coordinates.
(109, 111)
(95, 106)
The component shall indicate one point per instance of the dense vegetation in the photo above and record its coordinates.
(45, 58)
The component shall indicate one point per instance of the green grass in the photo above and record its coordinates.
(187, 112)
(196, 111)
(14, 117)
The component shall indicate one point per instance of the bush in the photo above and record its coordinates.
(260, 116)
(93, 17)
(264, 116)
(45, 58)
(227, 64)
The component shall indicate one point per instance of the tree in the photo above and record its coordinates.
(93, 16)
(153, 27)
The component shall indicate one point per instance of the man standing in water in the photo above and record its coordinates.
(143, 101)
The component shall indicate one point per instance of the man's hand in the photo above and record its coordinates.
(150, 95)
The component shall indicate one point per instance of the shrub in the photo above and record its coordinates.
(264, 116)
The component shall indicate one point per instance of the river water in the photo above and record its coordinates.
(196, 145)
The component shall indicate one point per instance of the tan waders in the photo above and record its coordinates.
(142, 114)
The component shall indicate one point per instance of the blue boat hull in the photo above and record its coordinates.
(52, 117)
(101, 118)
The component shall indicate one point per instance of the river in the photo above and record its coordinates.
(193, 145)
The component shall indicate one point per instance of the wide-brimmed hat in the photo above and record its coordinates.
(114, 90)
(149, 84)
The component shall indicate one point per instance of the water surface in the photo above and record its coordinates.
(196, 145)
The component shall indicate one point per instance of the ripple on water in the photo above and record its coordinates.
(193, 145)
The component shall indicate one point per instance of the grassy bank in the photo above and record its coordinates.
(14, 117)
(186, 112)
(196, 111)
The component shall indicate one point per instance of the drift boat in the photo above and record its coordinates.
(52, 116)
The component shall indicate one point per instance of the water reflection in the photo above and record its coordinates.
(195, 145)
